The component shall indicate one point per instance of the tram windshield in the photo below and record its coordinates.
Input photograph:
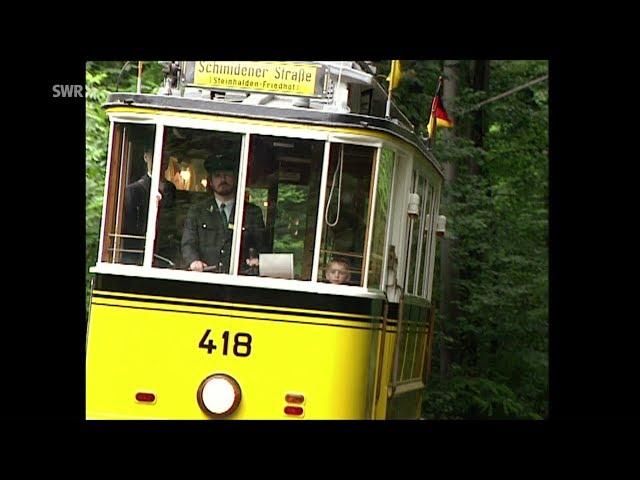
(127, 204)
(196, 232)
(197, 224)
(283, 186)
(346, 212)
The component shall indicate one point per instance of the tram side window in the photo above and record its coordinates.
(196, 230)
(128, 193)
(429, 238)
(380, 218)
(346, 212)
(424, 237)
(416, 225)
(283, 188)
(412, 343)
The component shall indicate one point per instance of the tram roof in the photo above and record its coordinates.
(277, 114)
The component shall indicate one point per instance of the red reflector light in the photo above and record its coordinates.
(293, 398)
(293, 410)
(145, 397)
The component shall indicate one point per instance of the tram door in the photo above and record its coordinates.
(415, 315)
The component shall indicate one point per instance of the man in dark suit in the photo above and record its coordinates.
(208, 228)
(136, 209)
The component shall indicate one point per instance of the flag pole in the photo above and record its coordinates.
(388, 103)
(388, 111)
(432, 117)
(139, 86)
(394, 79)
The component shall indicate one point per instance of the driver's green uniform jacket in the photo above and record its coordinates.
(205, 237)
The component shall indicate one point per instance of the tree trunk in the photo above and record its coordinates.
(478, 76)
(480, 83)
(448, 272)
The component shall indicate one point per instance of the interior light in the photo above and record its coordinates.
(186, 175)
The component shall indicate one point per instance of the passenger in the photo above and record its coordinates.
(337, 271)
(181, 175)
(136, 209)
(172, 174)
(208, 228)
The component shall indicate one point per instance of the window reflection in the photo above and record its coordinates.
(424, 235)
(427, 242)
(412, 343)
(383, 196)
(283, 186)
(416, 234)
(128, 193)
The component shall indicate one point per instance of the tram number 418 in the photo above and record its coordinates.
(241, 343)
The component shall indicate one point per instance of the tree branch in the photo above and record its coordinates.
(505, 94)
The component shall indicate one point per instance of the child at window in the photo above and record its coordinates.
(337, 271)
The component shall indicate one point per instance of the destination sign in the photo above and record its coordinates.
(284, 78)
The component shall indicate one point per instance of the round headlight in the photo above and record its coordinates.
(219, 395)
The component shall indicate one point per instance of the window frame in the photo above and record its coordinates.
(152, 212)
(411, 222)
(242, 180)
(429, 265)
(433, 184)
(220, 124)
(239, 211)
(405, 358)
(321, 206)
(373, 193)
(103, 219)
(377, 146)
(389, 223)
(423, 202)
(422, 255)
(108, 173)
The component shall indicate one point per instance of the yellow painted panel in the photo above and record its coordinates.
(142, 350)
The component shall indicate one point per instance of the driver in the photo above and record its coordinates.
(208, 228)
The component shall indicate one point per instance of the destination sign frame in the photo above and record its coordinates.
(299, 79)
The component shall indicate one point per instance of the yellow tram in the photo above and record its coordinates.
(266, 250)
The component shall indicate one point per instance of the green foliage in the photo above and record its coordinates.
(478, 398)
(122, 76)
(416, 88)
(97, 132)
(290, 224)
(497, 216)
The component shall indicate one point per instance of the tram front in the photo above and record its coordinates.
(240, 271)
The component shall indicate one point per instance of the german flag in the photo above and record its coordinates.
(439, 116)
